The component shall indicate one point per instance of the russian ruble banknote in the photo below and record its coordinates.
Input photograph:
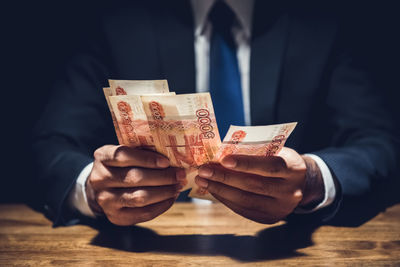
(183, 127)
(249, 140)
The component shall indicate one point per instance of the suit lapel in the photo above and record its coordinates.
(268, 45)
(174, 29)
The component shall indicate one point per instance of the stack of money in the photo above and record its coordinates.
(183, 127)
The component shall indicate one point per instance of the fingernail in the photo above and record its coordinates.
(201, 182)
(180, 175)
(229, 162)
(206, 172)
(162, 162)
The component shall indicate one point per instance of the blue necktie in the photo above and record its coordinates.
(225, 85)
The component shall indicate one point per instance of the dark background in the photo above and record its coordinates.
(39, 37)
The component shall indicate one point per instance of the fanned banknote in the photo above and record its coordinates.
(107, 93)
(132, 121)
(184, 129)
(255, 140)
(249, 140)
(129, 87)
(122, 107)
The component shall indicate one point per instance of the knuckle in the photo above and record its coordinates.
(97, 178)
(119, 152)
(139, 199)
(297, 195)
(98, 153)
(136, 199)
(135, 175)
(102, 153)
(101, 198)
(94, 178)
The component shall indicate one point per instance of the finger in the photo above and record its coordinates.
(131, 216)
(139, 177)
(144, 196)
(271, 166)
(123, 156)
(267, 186)
(116, 198)
(253, 215)
(105, 199)
(245, 199)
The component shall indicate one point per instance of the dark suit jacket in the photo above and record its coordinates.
(300, 71)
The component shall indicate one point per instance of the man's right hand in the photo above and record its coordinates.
(130, 185)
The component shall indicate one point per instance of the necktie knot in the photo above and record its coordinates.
(222, 18)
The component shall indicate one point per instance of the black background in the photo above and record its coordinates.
(39, 37)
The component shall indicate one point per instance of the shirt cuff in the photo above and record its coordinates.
(77, 198)
(329, 185)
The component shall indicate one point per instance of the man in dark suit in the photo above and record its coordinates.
(280, 62)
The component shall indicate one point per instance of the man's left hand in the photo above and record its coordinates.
(263, 189)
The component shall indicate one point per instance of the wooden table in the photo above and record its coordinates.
(196, 235)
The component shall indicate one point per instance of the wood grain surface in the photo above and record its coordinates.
(196, 235)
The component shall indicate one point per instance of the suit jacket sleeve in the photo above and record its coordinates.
(364, 145)
(74, 124)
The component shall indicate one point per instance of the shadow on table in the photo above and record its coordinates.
(272, 243)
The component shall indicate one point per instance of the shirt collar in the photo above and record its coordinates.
(243, 10)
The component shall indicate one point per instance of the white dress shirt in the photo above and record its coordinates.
(241, 30)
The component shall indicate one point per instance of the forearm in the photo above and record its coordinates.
(360, 162)
(58, 165)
